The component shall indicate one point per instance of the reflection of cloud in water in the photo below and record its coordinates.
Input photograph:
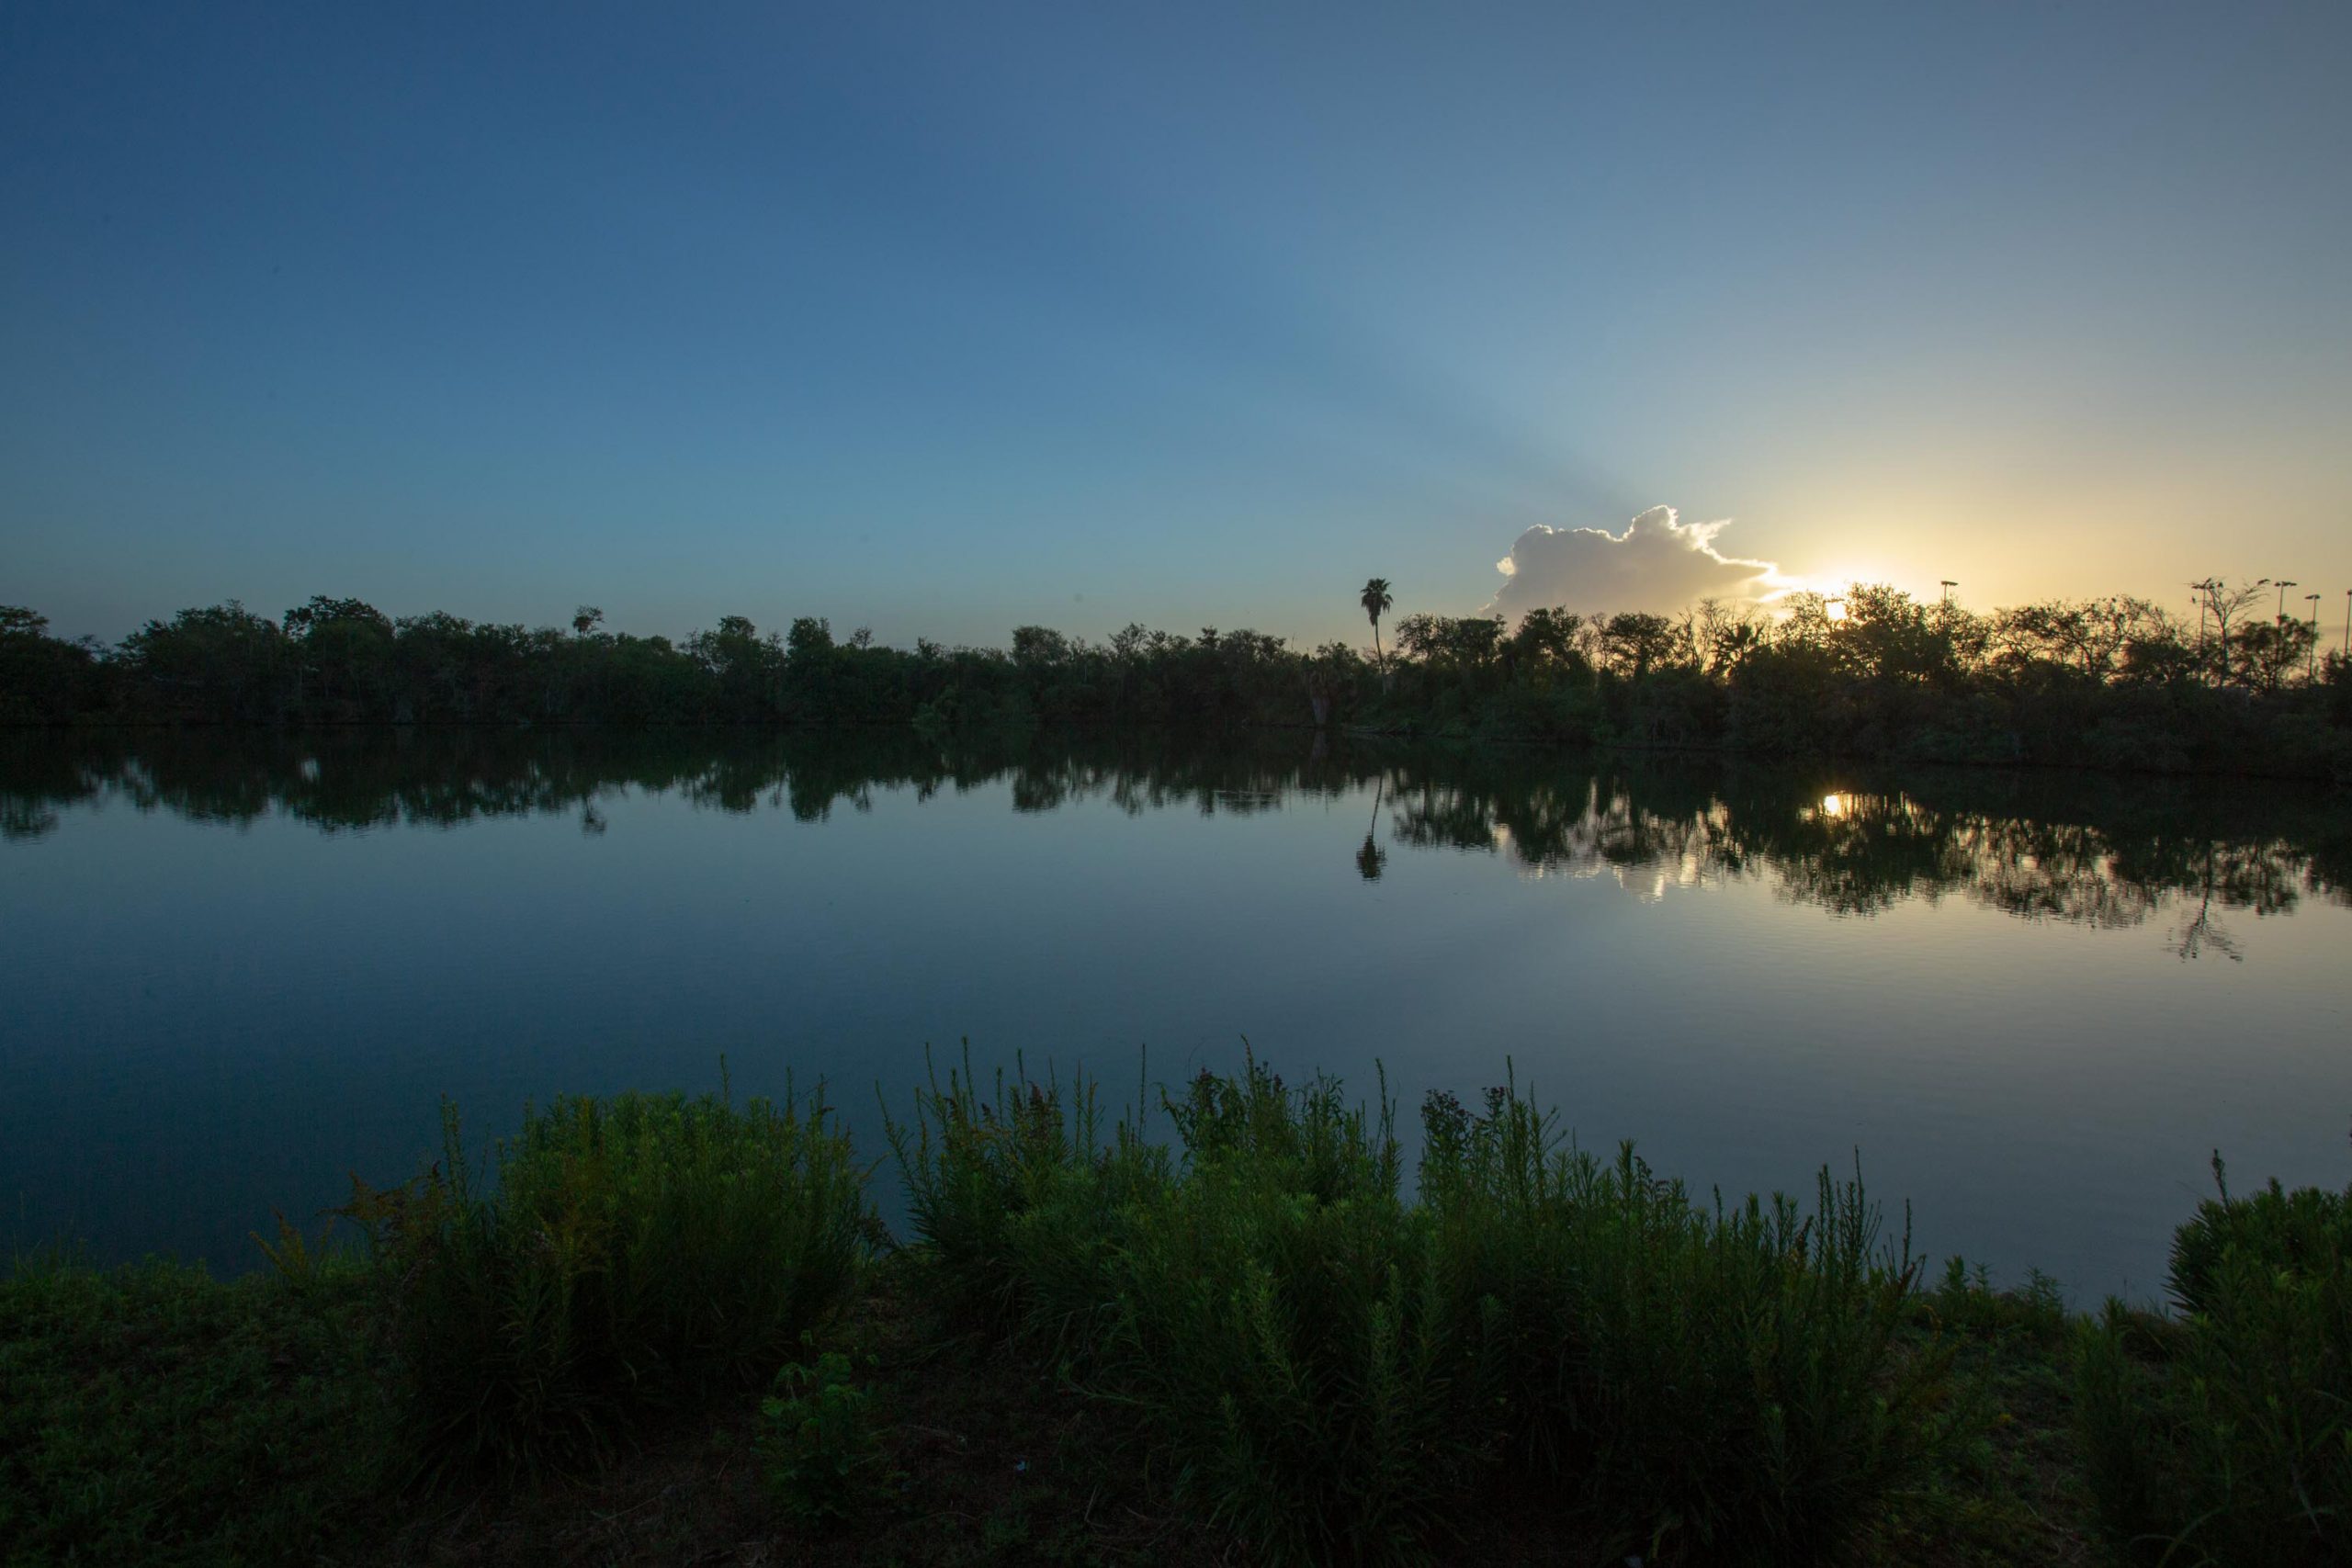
(1661, 865)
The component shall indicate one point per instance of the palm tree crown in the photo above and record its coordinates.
(1376, 602)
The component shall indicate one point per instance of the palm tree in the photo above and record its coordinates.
(1376, 602)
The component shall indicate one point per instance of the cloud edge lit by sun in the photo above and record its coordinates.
(1659, 562)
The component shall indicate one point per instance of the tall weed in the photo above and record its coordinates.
(1717, 1382)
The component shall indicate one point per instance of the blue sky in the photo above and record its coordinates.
(944, 318)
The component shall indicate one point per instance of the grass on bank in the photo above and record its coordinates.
(155, 1414)
(1102, 1348)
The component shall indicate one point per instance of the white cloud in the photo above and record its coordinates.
(1659, 562)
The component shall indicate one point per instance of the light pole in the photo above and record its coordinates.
(2311, 666)
(1949, 586)
(2284, 584)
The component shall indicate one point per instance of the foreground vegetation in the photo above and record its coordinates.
(628, 1257)
(1331, 1371)
(2113, 683)
(653, 1329)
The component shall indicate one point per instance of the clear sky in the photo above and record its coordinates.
(943, 319)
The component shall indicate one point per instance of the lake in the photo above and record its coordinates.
(240, 966)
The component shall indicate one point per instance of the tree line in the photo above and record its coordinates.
(2114, 681)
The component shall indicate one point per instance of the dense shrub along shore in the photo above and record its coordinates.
(1225, 1326)
(2114, 682)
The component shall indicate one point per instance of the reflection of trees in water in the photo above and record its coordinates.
(2260, 877)
(1878, 850)
(359, 779)
(2104, 852)
(2063, 871)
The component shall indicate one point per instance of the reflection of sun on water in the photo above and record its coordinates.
(1833, 805)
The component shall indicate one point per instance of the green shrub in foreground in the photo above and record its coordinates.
(624, 1255)
(821, 1449)
(2226, 1437)
(1334, 1371)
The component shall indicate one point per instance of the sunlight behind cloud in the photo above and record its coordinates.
(1659, 562)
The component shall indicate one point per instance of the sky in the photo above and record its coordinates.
(944, 319)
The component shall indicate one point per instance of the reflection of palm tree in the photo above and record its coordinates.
(1376, 604)
(1372, 859)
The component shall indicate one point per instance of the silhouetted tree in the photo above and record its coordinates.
(1377, 602)
(2222, 602)
(1635, 642)
(2267, 653)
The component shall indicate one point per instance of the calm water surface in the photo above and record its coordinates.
(237, 968)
